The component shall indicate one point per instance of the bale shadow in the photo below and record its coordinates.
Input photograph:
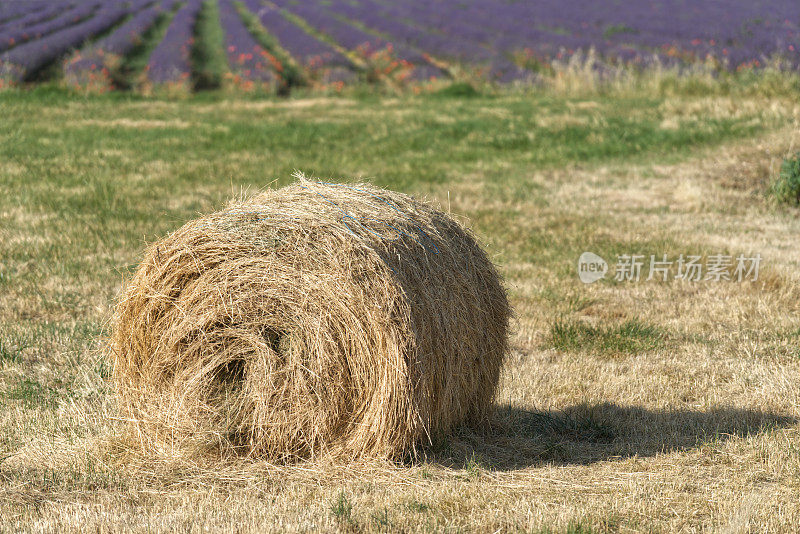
(585, 434)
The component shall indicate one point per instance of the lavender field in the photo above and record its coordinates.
(336, 42)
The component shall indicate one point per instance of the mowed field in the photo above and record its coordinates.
(624, 406)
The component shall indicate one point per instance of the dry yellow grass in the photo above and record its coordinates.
(698, 433)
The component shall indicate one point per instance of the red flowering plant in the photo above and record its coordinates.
(529, 59)
(383, 65)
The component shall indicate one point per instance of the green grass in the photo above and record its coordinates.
(786, 187)
(618, 29)
(31, 393)
(119, 185)
(9, 352)
(342, 511)
(629, 337)
(475, 465)
(381, 519)
(405, 144)
(418, 507)
(572, 528)
(208, 54)
(457, 90)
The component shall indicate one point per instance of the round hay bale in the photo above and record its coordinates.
(311, 320)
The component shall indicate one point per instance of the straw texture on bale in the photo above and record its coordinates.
(316, 319)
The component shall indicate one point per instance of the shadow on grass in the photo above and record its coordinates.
(584, 434)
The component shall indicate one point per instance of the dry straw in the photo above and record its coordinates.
(317, 319)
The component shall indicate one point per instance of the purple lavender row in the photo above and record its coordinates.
(123, 39)
(345, 35)
(475, 23)
(247, 59)
(307, 50)
(170, 62)
(72, 16)
(495, 62)
(22, 13)
(675, 19)
(471, 22)
(513, 27)
(639, 31)
(353, 38)
(12, 9)
(383, 20)
(22, 61)
(104, 55)
(682, 30)
(390, 21)
(671, 28)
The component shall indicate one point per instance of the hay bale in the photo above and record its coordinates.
(314, 319)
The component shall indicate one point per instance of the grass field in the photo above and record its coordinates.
(644, 406)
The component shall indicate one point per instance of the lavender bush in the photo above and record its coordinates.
(170, 62)
(29, 32)
(17, 15)
(95, 66)
(20, 62)
(251, 66)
